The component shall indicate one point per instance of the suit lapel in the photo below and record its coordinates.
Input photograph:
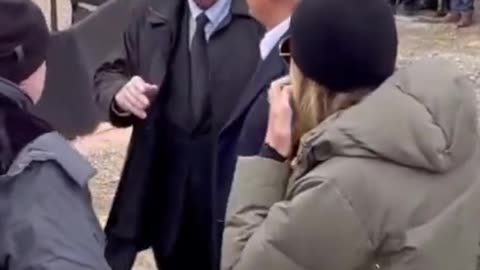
(164, 23)
(267, 71)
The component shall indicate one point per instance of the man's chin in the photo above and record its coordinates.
(252, 13)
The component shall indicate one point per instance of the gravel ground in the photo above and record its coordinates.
(107, 149)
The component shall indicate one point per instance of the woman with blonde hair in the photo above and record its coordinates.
(363, 167)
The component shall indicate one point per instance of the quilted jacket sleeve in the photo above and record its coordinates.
(315, 229)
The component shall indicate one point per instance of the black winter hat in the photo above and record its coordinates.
(344, 44)
(24, 39)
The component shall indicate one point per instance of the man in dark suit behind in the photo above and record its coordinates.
(251, 114)
(184, 66)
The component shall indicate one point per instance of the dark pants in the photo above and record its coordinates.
(192, 246)
(191, 250)
(463, 6)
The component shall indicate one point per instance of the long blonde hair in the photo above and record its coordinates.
(314, 103)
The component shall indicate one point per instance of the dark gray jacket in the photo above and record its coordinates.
(46, 215)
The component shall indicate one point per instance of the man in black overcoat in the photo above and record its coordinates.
(184, 66)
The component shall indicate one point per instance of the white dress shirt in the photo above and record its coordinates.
(216, 14)
(272, 37)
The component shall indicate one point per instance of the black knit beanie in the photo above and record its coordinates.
(344, 44)
(24, 39)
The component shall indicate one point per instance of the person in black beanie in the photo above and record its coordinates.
(364, 167)
(23, 44)
(46, 215)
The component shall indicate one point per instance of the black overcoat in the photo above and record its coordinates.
(147, 209)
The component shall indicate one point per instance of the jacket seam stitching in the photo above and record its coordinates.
(360, 221)
(430, 113)
(285, 255)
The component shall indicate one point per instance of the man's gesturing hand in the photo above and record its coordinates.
(136, 96)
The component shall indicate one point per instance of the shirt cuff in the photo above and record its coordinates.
(117, 111)
(271, 153)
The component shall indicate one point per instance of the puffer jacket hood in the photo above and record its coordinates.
(419, 119)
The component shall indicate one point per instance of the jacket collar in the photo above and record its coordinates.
(240, 8)
(159, 12)
(168, 10)
(12, 92)
(273, 37)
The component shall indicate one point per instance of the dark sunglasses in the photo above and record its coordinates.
(284, 50)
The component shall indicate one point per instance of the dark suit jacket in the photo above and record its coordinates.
(253, 132)
(245, 132)
(148, 206)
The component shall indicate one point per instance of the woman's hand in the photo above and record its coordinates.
(279, 130)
